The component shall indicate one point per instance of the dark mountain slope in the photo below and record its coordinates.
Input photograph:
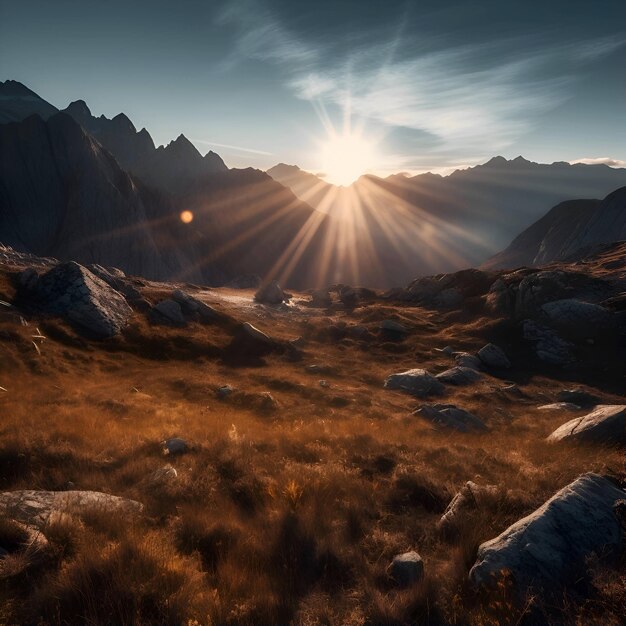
(17, 102)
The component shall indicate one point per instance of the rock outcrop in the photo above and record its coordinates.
(417, 382)
(73, 292)
(36, 507)
(605, 425)
(548, 549)
(450, 416)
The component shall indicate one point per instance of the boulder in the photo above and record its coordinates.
(249, 341)
(393, 329)
(549, 549)
(72, 291)
(549, 347)
(224, 391)
(579, 319)
(175, 446)
(35, 507)
(578, 396)
(417, 382)
(194, 307)
(493, 356)
(321, 298)
(465, 359)
(168, 311)
(459, 375)
(163, 476)
(271, 293)
(407, 569)
(559, 406)
(450, 416)
(606, 424)
(470, 497)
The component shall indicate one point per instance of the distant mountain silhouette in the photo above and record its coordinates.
(565, 230)
(17, 102)
(63, 195)
(173, 168)
(486, 206)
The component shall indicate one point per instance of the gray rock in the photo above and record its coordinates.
(394, 328)
(255, 334)
(321, 298)
(175, 446)
(470, 497)
(193, 306)
(465, 359)
(549, 347)
(224, 391)
(578, 396)
(417, 382)
(459, 375)
(163, 476)
(407, 569)
(559, 406)
(72, 291)
(450, 416)
(579, 319)
(36, 507)
(270, 294)
(170, 311)
(606, 424)
(548, 549)
(493, 356)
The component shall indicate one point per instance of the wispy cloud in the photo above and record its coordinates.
(228, 145)
(600, 161)
(473, 99)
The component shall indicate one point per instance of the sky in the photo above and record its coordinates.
(429, 85)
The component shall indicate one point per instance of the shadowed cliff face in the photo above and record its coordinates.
(63, 195)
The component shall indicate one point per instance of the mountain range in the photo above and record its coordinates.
(93, 189)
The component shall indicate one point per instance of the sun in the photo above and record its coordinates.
(345, 157)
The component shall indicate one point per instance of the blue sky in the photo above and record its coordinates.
(435, 85)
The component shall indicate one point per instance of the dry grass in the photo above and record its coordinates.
(288, 513)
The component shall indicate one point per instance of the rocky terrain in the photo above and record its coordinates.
(450, 452)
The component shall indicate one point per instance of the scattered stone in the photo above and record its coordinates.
(271, 293)
(559, 406)
(407, 569)
(348, 296)
(358, 331)
(224, 391)
(451, 416)
(321, 298)
(72, 291)
(549, 347)
(606, 424)
(465, 359)
(298, 342)
(193, 306)
(493, 356)
(175, 446)
(250, 341)
(470, 497)
(549, 548)
(578, 396)
(393, 328)
(168, 311)
(35, 507)
(163, 475)
(459, 375)
(324, 383)
(316, 368)
(417, 382)
(448, 351)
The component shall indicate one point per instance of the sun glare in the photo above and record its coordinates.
(346, 157)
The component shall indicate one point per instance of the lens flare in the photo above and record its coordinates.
(345, 157)
(186, 217)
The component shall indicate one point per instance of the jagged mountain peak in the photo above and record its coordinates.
(123, 123)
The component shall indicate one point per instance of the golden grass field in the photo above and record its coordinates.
(287, 509)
